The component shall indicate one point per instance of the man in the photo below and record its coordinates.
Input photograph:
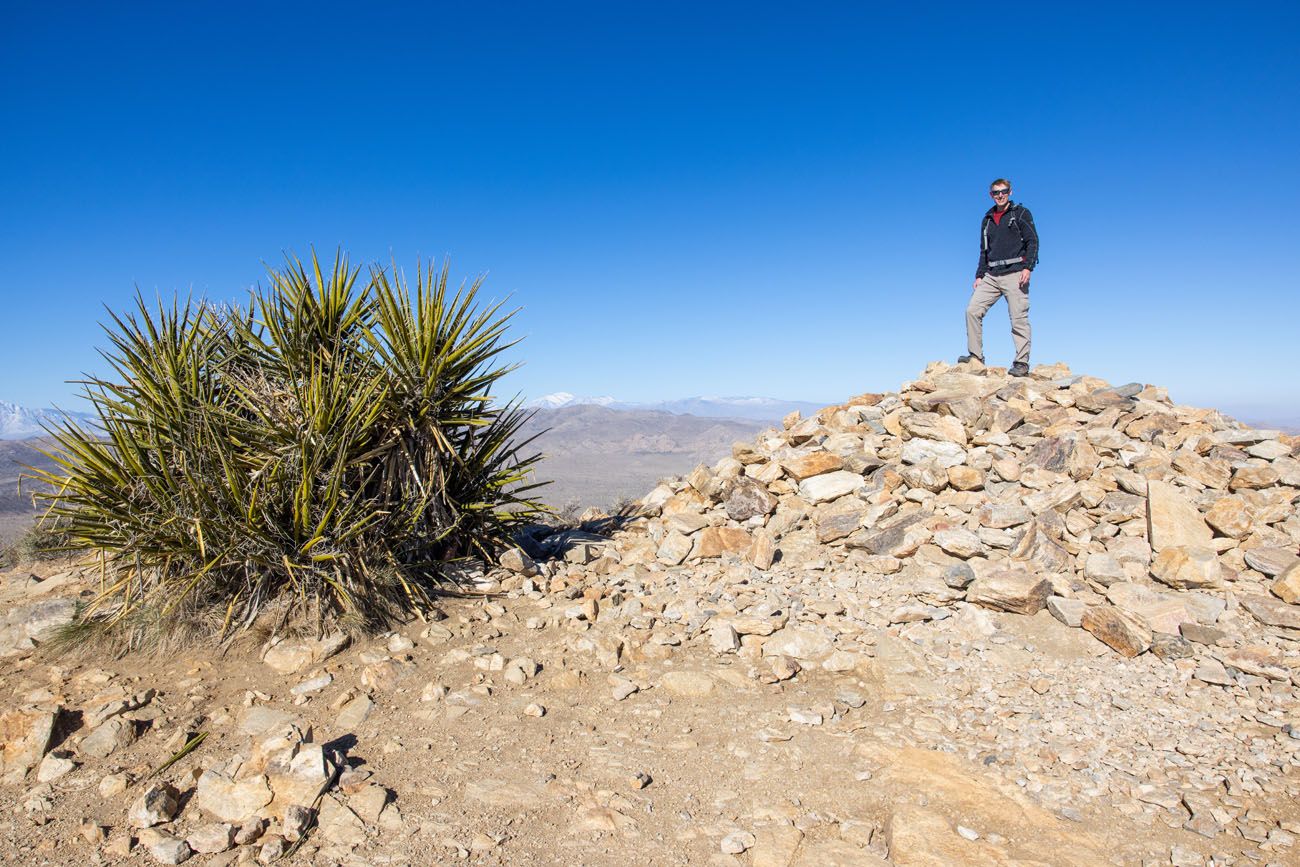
(1008, 254)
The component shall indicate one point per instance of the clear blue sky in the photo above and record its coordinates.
(684, 198)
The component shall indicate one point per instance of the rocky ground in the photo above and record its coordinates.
(978, 621)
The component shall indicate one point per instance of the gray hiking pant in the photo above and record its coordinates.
(984, 296)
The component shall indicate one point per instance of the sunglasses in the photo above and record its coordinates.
(999, 192)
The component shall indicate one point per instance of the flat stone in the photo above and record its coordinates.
(338, 824)
(1257, 660)
(959, 542)
(1272, 612)
(1014, 590)
(762, 552)
(259, 719)
(932, 426)
(1117, 629)
(288, 657)
(830, 486)
(1212, 671)
(1200, 634)
(297, 776)
(54, 765)
(1172, 521)
(231, 801)
(1251, 478)
(816, 463)
(1270, 561)
(517, 561)
(965, 478)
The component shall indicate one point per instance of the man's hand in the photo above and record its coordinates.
(976, 284)
(1024, 278)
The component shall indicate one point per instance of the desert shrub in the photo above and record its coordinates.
(38, 542)
(331, 448)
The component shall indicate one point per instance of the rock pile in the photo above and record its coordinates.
(1150, 525)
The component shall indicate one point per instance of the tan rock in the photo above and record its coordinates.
(775, 845)
(288, 657)
(716, 541)
(1287, 585)
(1272, 612)
(1251, 478)
(1188, 568)
(674, 548)
(1172, 520)
(965, 478)
(932, 426)
(1230, 517)
(812, 464)
(297, 777)
(1258, 660)
(1014, 590)
(1118, 629)
(958, 792)
(763, 550)
(25, 738)
(229, 801)
(837, 853)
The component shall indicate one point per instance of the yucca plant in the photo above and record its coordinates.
(329, 449)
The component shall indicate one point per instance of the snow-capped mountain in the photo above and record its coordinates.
(20, 422)
(557, 399)
(769, 409)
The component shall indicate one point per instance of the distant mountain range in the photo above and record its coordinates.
(21, 423)
(766, 409)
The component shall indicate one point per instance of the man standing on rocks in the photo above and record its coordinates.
(1008, 254)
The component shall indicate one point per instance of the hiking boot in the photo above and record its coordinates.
(1019, 369)
(962, 359)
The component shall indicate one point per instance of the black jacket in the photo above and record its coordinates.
(1013, 238)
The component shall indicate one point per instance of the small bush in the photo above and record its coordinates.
(331, 448)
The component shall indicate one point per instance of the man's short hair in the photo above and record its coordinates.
(1000, 181)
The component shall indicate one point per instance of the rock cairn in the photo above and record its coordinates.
(1150, 525)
